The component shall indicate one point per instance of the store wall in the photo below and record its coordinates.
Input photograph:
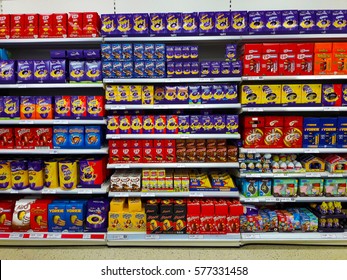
(133, 6)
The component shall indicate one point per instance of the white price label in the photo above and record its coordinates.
(313, 174)
(311, 151)
(148, 194)
(87, 236)
(280, 175)
(14, 191)
(161, 107)
(119, 194)
(16, 235)
(184, 136)
(247, 200)
(336, 175)
(22, 86)
(122, 166)
(256, 78)
(331, 109)
(152, 236)
(195, 236)
(196, 194)
(345, 235)
(118, 237)
(251, 175)
(328, 236)
(113, 136)
(54, 235)
(54, 152)
(251, 151)
(26, 122)
(180, 165)
(254, 109)
(84, 191)
(60, 122)
(271, 199)
(287, 199)
(37, 235)
(251, 236)
(197, 106)
(49, 191)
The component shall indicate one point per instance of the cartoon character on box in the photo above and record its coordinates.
(76, 136)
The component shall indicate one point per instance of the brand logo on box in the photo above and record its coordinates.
(89, 16)
(74, 16)
(17, 18)
(31, 17)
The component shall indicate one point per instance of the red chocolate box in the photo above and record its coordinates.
(43, 137)
(25, 138)
(31, 26)
(75, 25)
(91, 25)
(17, 26)
(59, 25)
(5, 29)
(6, 138)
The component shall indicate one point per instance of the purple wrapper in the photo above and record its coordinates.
(20, 176)
(107, 69)
(108, 25)
(236, 68)
(139, 69)
(178, 69)
(96, 217)
(7, 71)
(190, 24)
(195, 69)
(273, 22)
(323, 21)
(219, 123)
(207, 25)
(222, 23)
(207, 125)
(140, 23)
(25, 71)
(338, 21)
(93, 71)
(58, 54)
(239, 22)
(35, 168)
(256, 22)
(106, 52)
(57, 71)
(232, 123)
(77, 71)
(123, 23)
(307, 22)
(157, 24)
(344, 95)
(174, 23)
(290, 21)
(206, 94)
(225, 68)
(41, 71)
(92, 54)
(75, 54)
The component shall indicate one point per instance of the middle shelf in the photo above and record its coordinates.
(173, 136)
(175, 165)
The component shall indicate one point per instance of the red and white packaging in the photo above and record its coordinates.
(91, 25)
(75, 25)
(5, 26)
(269, 64)
(59, 26)
(24, 138)
(253, 132)
(31, 26)
(252, 54)
(45, 26)
(6, 138)
(273, 132)
(293, 132)
(6, 213)
(17, 26)
(43, 137)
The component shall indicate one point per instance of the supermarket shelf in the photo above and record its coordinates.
(53, 151)
(52, 238)
(298, 238)
(294, 109)
(58, 85)
(291, 37)
(293, 150)
(142, 239)
(294, 175)
(175, 194)
(175, 165)
(52, 41)
(294, 78)
(52, 122)
(171, 80)
(173, 136)
(272, 199)
(173, 106)
(79, 190)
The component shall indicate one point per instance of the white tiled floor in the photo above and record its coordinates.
(247, 252)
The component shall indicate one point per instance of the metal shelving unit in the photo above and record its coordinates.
(52, 122)
(172, 106)
(208, 193)
(52, 238)
(174, 165)
(171, 80)
(142, 239)
(292, 150)
(173, 136)
(101, 151)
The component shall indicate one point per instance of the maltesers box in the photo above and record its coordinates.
(332, 94)
(43, 137)
(207, 23)
(307, 21)
(273, 22)
(256, 22)
(5, 28)
(75, 25)
(17, 25)
(290, 21)
(323, 21)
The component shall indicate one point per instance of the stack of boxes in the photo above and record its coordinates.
(182, 61)
(329, 58)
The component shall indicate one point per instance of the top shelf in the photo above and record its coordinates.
(202, 39)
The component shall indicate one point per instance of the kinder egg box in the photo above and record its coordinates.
(92, 137)
(76, 137)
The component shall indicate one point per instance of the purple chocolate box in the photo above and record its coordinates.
(178, 53)
(194, 95)
(195, 124)
(207, 125)
(206, 94)
(174, 23)
(58, 54)
(230, 52)
(97, 212)
(256, 22)
(157, 24)
(225, 68)
(273, 22)
(185, 52)
(290, 21)
(140, 23)
(75, 54)
(218, 94)
(205, 69)
(239, 22)
(195, 69)
(178, 69)
(41, 71)
(123, 24)
(338, 21)
(7, 72)
(170, 69)
(92, 54)
(77, 71)
(190, 24)
(215, 69)
(11, 107)
(230, 92)
(344, 95)
(57, 71)
(93, 71)
(25, 71)
(170, 53)
(186, 69)
(232, 123)
(323, 21)
(183, 124)
(206, 23)
(20, 169)
(62, 108)
(219, 124)
(236, 70)
(108, 25)
(307, 22)
(222, 21)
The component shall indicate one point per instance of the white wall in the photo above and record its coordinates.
(134, 6)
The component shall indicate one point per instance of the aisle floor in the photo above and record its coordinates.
(258, 252)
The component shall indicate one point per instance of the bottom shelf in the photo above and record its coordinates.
(190, 240)
(52, 238)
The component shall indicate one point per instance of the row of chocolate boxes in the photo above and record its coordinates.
(48, 107)
(172, 124)
(294, 94)
(57, 137)
(49, 71)
(170, 94)
(272, 59)
(294, 132)
(169, 151)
